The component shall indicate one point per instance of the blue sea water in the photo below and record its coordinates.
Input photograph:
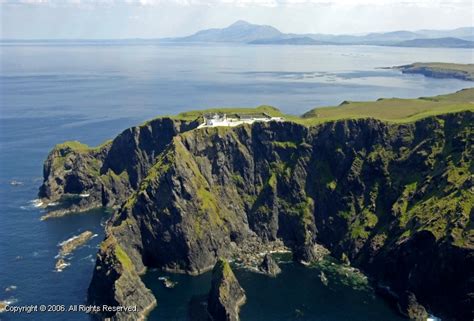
(55, 92)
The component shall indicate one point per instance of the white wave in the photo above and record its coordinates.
(40, 253)
(86, 257)
(33, 204)
(15, 182)
(10, 288)
(9, 301)
(62, 266)
(37, 203)
(68, 240)
(52, 204)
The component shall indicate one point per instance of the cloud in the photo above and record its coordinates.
(245, 3)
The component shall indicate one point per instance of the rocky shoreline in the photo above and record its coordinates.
(384, 196)
(250, 252)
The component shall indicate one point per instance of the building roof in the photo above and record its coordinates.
(250, 116)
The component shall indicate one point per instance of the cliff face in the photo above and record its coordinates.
(396, 199)
(226, 295)
(85, 177)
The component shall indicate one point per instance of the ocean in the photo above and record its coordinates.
(52, 92)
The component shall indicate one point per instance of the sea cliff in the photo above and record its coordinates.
(394, 198)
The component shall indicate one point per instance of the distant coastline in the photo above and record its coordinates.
(440, 70)
(243, 32)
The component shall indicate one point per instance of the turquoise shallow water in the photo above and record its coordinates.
(52, 93)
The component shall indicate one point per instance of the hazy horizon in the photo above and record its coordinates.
(154, 19)
(171, 36)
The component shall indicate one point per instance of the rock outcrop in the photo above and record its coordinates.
(269, 266)
(69, 246)
(83, 178)
(116, 282)
(396, 199)
(226, 295)
(410, 307)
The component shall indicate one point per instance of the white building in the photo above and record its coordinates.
(221, 119)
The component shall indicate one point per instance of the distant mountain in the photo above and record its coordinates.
(290, 41)
(466, 33)
(449, 42)
(245, 32)
(391, 36)
(240, 31)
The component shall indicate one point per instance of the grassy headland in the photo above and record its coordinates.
(386, 109)
(395, 110)
(440, 70)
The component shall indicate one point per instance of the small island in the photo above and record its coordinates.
(440, 70)
(69, 246)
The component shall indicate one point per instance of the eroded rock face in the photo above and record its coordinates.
(410, 307)
(116, 282)
(395, 199)
(269, 266)
(108, 174)
(226, 295)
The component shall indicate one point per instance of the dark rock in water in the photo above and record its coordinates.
(61, 264)
(323, 278)
(226, 295)
(410, 307)
(269, 266)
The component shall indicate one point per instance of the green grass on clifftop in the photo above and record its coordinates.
(386, 109)
(80, 147)
(194, 114)
(394, 109)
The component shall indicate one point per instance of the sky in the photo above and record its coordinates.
(110, 19)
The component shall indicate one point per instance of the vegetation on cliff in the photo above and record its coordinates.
(393, 195)
(226, 295)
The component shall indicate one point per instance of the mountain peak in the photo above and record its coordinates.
(240, 23)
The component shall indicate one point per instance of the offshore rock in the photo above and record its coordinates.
(226, 295)
(410, 307)
(69, 246)
(269, 266)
